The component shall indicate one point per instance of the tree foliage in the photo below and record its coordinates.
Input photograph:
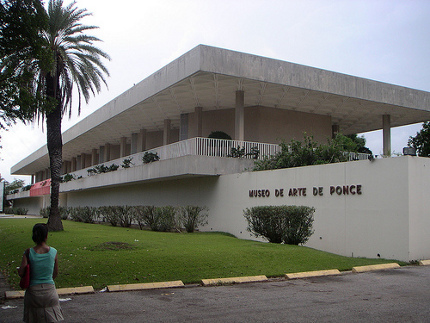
(309, 152)
(421, 141)
(21, 48)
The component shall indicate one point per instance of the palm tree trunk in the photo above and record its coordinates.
(55, 146)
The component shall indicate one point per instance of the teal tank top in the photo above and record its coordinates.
(42, 267)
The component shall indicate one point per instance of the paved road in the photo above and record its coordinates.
(398, 295)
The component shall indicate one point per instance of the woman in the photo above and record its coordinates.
(41, 302)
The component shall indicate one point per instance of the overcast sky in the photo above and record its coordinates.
(386, 41)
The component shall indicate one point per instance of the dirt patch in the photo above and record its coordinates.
(112, 245)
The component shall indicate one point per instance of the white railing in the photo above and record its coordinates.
(217, 148)
(208, 147)
(357, 156)
(197, 147)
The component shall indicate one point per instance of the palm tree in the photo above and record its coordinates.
(68, 58)
(74, 61)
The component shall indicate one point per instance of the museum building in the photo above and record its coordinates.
(363, 208)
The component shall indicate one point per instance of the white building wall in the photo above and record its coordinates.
(419, 208)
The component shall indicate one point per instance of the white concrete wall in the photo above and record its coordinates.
(419, 208)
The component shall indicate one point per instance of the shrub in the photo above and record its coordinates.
(237, 152)
(190, 217)
(304, 153)
(289, 224)
(44, 212)
(100, 169)
(85, 214)
(149, 157)
(144, 215)
(64, 212)
(164, 219)
(68, 177)
(126, 163)
(125, 215)
(112, 168)
(110, 215)
(16, 210)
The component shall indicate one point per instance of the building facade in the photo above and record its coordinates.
(259, 102)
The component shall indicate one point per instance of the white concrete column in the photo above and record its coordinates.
(166, 132)
(239, 129)
(101, 154)
(198, 120)
(74, 164)
(141, 142)
(63, 168)
(106, 157)
(386, 134)
(94, 159)
(123, 147)
(134, 140)
(68, 166)
(183, 127)
(83, 160)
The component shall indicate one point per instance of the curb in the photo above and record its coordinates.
(212, 282)
(316, 273)
(362, 269)
(233, 280)
(424, 262)
(130, 287)
(61, 291)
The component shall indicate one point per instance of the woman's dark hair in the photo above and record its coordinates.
(40, 233)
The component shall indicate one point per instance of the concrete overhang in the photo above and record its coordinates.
(169, 169)
(208, 77)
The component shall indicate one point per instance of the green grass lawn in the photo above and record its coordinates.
(85, 257)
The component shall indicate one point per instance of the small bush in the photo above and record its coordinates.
(286, 223)
(110, 215)
(190, 217)
(164, 219)
(144, 215)
(64, 212)
(124, 214)
(126, 163)
(16, 210)
(304, 153)
(101, 169)
(68, 177)
(149, 157)
(85, 214)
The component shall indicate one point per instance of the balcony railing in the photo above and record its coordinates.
(208, 147)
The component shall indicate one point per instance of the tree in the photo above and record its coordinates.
(10, 188)
(21, 44)
(421, 141)
(73, 60)
(360, 144)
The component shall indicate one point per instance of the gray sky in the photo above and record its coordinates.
(383, 40)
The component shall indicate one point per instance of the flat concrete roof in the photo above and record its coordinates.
(208, 77)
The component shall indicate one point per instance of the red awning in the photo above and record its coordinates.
(41, 188)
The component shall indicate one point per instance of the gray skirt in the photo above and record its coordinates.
(41, 304)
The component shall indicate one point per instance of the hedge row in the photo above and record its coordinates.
(16, 210)
(162, 218)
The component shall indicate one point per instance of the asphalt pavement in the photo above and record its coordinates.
(396, 295)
